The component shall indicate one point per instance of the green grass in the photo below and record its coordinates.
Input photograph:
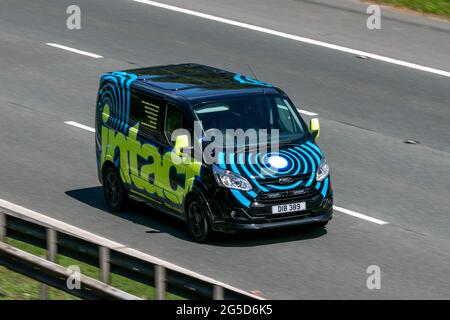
(14, 286)
(438, 7)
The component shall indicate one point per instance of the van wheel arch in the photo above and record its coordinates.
(196, 194)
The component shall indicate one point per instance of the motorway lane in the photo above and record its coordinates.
(366, 93)
(300, 263)
(408, 37)
(406, 185)
(392, 101)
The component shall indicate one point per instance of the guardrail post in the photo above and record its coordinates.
(52, 250)
(160, 282)
(43, 290)
(104, 264)
(52, 246)
(2, 226)
(217, 292)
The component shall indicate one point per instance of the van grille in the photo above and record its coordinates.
(275, 181)
(277, 196)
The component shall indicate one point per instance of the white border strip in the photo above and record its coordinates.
(85, 53)
(297, 38)
(79, 125)
(360, 215)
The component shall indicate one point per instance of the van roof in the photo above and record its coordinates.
(196, 82)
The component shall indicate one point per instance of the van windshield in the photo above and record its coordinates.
(252, 112)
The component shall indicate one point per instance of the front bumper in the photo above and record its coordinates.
(231, 227)
(259, 217)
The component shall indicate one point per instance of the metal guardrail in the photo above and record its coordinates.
(56, 276)
(111, 257)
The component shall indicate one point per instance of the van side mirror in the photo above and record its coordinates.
(182, 141)
(314, 128)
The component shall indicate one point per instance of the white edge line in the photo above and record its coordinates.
(297, 38)
(92, 237)
(360, 215)
(85, 53)
(79, 125)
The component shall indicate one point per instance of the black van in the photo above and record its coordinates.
(154, 129)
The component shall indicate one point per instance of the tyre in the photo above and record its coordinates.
(113, 189)
(197, 221)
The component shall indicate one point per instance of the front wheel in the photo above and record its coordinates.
(113, 190)
(198, 222)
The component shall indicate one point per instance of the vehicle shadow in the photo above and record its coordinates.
(138, 213)
(266, 237)
(159, 222)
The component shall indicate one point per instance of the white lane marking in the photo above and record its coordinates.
(297, 38)
(308, 113)
(79, 125)
(359, 215)
(85, 53)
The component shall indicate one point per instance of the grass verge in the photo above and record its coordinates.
(14, 286)
(435, 7)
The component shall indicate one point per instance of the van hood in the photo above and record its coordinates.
(290, 168)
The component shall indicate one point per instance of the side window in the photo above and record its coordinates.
(148, 111)
(175, 119)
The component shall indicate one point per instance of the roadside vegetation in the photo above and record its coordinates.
(437, 7)
(14, 286)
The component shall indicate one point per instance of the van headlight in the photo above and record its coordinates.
(231, 180)
(323, 170)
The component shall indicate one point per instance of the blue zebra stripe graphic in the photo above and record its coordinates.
(302, 160)
(115, 92)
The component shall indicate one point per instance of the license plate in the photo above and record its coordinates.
(290, 207)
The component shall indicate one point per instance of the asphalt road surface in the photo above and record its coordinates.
(367, 108)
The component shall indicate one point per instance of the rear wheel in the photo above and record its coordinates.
(114, 190)
(197, 221)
